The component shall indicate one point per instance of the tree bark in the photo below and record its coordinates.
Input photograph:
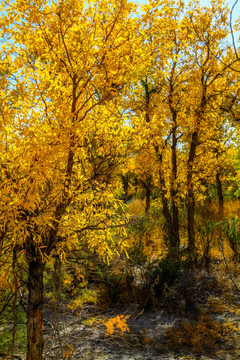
(166, 211)
(148, 198)
(191, 200)
(200, 112)
(147, 187)
(220, 197)
(175, 238)
(34, 312)
(175, 216)
(125, 181)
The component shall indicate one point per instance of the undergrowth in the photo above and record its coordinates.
(204, 336)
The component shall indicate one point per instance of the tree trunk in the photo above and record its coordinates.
(191, 200)
(125, 182)
(34, 311)
(200, 112)
(166, 212)
(175, 238)
(175, 217)
(148, 201)
(220, 197)
(168, 221)
(147, 188)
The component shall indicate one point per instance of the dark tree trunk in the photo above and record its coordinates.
(125, 188)
(174, 190)
(168, 221)
(166, 211)
(220, 197)
(147, 188)
(148, 195)
(191, 200)
(34, 310)
(175, 238)
(191, 158)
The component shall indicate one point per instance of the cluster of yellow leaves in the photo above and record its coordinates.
(116, 325)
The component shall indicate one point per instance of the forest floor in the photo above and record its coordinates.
(198, 319)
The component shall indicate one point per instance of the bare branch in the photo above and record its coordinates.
(231, 28)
